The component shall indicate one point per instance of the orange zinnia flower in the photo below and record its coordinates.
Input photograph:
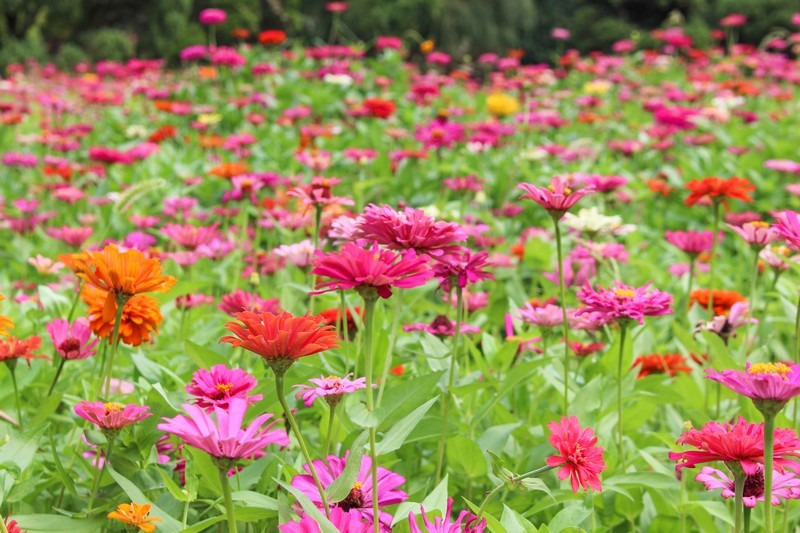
(133, 514)
(281, 339)
(5, 322)
(229, 170)
(717, 189)
(723, 300)
(141, 317)
(12, 349)
(122, 275)
(670, 363)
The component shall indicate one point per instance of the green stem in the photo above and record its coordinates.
(74, 304)
(99, 475)
(450, 383)
(711, 261)
(486, 502)
(121, 300)
(186, 512)
(243, 220)
(739, 478)
(344, 331)
(279, 387)
(317, 224)
(512, 481)
(331, 420)
(563, 289)
(681, 508)
(369, 313)
(532, 473)
(797, 334)
(3, 528)
(55, 378)
(747, 511)
(623, 330)
(16, 395)
(387, 364)
(769, 439)
(230, 510)
(690, 282)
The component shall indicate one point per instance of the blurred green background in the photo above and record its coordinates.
(71, 31)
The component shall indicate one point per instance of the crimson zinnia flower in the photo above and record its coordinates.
(281, 339)
(741, 443)
(715, 189)
(578, 456)
(378, 107)
(375, 269)
(216, 387)
(670, 363)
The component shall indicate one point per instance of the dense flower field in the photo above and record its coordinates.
(324, 289)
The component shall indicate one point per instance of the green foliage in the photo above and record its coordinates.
(110, 44)
(70, 55)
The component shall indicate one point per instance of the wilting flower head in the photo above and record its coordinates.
(741, 443)
(135, 515)
(715, 190)
(462, 268)
(72, 341)
(215, 387)
(361, 495)
(344, 521)
(726, 326)
(225, 439)
(670, 363)
(578, 456)
(625, 302)
(444, 525)
(784, 485)
(280, 339)
(769, 385)
(331, 389)
(557, 198)
(691, 242)
(410, 229)
(370, 270)
(111, 416)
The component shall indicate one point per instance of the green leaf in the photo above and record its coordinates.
(167, 525)
(404, 397)
(341, 486)
(47, 523)
(395, 437)
(513, 521)
(256, 500)
(17, 455)
(310, 509)
(173, 487)
(571, 515)
(66, 479)
(466, 455)
(45, 409)
(202, 356)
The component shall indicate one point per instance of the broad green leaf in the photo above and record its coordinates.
(168, 524)
(65, 478)
(49, 523)
(16, 455)
(173, 487)
(310, 509)
(202, 356)
(343, 484)
(570, 515)
(256, 500)
(466, 455)
(395, 437)
(513, 521)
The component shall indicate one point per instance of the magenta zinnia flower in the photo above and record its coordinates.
(224, 439)
(692, 242)
(625, 302)
(215, 387)
(111, 416)
(354, 267)
(462, 268)
(764, 383)
(344, 521)
(72, 341)
(331, 389)
(362, 493)
(741, 443)
(784, 485)
(578, 456)
(557, 198)
(410, 229)
(788, 227)
(444, 525)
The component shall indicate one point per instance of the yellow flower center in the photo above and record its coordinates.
(357, 485)
(567, 190)
(760, 369)
(113, 407)
(625, 293)
(760, 224)
(224, 387)
(515, 338)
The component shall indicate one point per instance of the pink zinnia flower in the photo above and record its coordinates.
(355, 267)
(188, 236)
(239, 300)
(463, 268)
(557, 198)
(72, 341)
(726, 326)
(788, 227)
(410, 229)
(546, 316)
(578, 456)
(72, 236)
(330, 389)
(764, 383)
(741, 443)
(785, 486)
(561, 34)
(300, 254)
(224, 439)
(111, 416)
(441, 326)
(344, 521)
(190, 301)
(45, 265)
(624, 302)
(318, 193)
(212, 17)
(362, 493)
(216, 387)
(691, 242)
(733, 20)
(758, 234)
(444, 525)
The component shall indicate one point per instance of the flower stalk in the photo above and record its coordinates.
(450, 382)
(565, 325)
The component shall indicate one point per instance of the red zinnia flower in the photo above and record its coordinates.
(378, 107)
(723, 300)
(268, 37)
(670, 363)
(578, 454)
(715, 189)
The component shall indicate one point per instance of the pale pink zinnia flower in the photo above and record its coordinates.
(624, 302)
(224, 438)
(787, 225)
(546, 316)
(111, 416)
(784, 485)
(331, 389)
(72, 341)
(72, 236)
(579, 457)
(758, 234)
(444, 525)
(557, 198)
(691, 242)
(299, 254)
(216, 387)
(45, 265)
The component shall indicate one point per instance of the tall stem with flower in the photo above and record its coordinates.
(121, 299)
(565, 323)
(451, 382)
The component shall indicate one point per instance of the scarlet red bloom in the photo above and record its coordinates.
(268, 37)
(281, 339)
(670, 363)
(13, 348)
(578, 454)
(378, 107)
(715, 189)
(723, 300)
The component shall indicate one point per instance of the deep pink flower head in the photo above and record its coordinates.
(72, 341)
(757, 234)
(331, 389)
(787, 225)
(72, 236)
(410, 229)
(441, 326)
(692, 242)
(557, 198)
(212, 17)
(764, 383)
(784, 485)
(463, 268)
(344, 521)
(362, 493)
(354, 267)
(225, 439)
(239, 300)
(625, 302)
(578, 456)
(215, 387)
(111, 416)
(741, 443)
(465, 523)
